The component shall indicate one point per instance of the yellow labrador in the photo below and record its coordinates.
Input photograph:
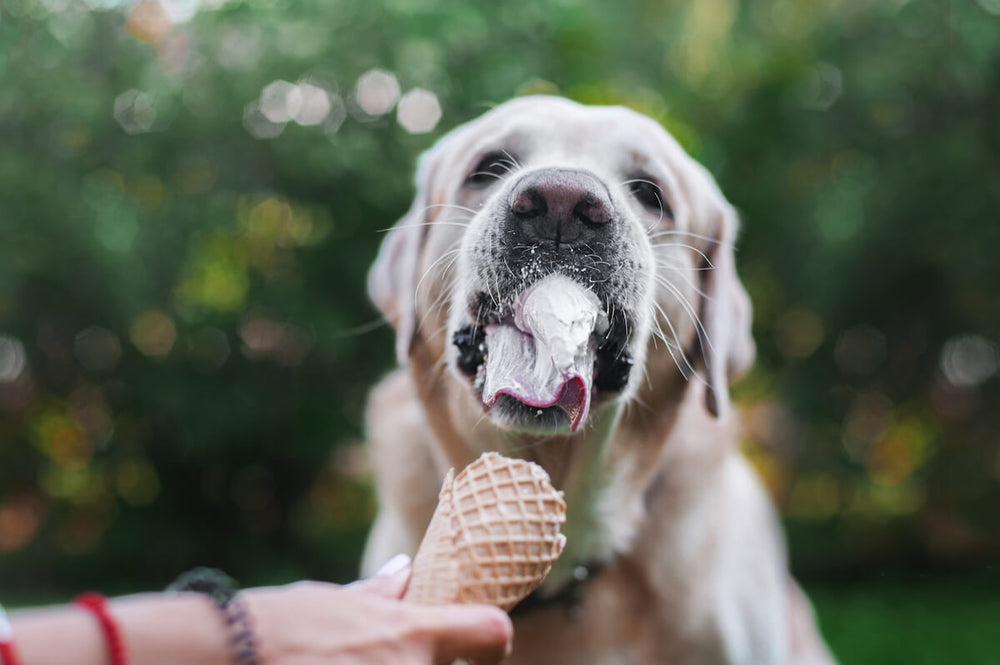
(674, 554)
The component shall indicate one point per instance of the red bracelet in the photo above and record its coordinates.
(8, 654)
(98, 605)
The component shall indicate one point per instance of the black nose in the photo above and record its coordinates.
(561, 206)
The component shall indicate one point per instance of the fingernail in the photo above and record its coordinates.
(509, 649)
(394, 565)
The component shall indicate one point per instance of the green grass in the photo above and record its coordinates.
(910, 619)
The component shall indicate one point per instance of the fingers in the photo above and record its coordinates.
(391, 579)
(479, 632)
(394, 565)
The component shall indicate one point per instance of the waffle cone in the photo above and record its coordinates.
(493, 538)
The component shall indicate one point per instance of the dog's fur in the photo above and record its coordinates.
(657, 490)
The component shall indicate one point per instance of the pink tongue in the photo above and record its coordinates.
(547, 358)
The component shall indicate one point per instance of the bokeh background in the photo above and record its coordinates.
(191, 192)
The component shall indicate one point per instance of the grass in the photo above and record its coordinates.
(912, 619)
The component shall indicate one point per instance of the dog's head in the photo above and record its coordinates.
(560, 256)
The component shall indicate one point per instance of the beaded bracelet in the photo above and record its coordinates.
(222, 590)
(97, 605)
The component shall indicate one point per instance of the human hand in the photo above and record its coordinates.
(314, 623)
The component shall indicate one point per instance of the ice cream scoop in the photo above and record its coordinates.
(546, 358)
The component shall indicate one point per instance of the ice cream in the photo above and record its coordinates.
(546, 358)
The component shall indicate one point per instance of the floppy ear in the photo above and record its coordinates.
(726, 314)
(392, 278)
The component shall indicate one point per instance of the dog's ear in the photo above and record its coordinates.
(728, 348)
(392, 280)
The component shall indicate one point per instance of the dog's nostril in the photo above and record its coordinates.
(592, 211)
(529, 202)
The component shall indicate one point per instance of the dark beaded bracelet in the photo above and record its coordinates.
(222, 590)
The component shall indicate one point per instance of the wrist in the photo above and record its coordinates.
(267, 620)
(166, 629)
(222, 590)
(97, 605)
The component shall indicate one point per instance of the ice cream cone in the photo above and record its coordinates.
(493, 538)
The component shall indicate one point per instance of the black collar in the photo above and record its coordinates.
(567, 596)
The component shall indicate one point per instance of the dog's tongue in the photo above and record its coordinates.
(547, 357)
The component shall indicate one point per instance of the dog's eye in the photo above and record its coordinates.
(650, 195)
(491, 168)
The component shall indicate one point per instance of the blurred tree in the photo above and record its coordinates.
(191, 193)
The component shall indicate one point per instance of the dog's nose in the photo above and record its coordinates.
(562, 206)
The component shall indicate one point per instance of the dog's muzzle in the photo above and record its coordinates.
(546, 333)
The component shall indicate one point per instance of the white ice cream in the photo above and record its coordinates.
(547, 357)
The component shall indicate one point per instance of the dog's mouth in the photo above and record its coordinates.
(538, 365)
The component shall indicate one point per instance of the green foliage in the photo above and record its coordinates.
(185, 340)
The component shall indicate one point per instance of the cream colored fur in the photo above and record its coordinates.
(654, 481)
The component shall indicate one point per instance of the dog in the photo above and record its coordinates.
(674, 553)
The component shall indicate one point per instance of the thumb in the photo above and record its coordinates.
(391, 579)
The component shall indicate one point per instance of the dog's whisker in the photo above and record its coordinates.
(479, 316)
(637, 402)
(456, 220)
(705, 341)
(456, 206)
(659, 334)
(511, 158)
(462, 222)
(362, 329)
(659, 202)
(480, 420)
(687, 363)
(489, 174)
(435, 223)
(440, 330)
(658, 194)
(690, 234)
(666, 265)
(452, 253)
(611, 317)
(645, 378)
(506, 165)
(677, 345)
(671, 345)
(496, 300)
(700, 329)
(642, 180)
(670, 266)
(663, 281)
(663, 245)
(439, 304)
(507, 266)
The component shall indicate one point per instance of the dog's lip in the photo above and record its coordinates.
(573, 398)
(572, 394)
